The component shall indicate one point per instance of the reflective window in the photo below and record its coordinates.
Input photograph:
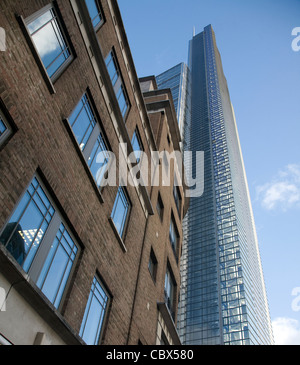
(169, 291)
(173, 235)
(120, 211)
(137, 145)
(25, 230)
(177, 198)
(49, 40)
(90, 138)
(94, 314)
(36, 227)
(83, 121)
(95, 12)
(98, 159)
(117, 83)
(4, 128)
(58, 265)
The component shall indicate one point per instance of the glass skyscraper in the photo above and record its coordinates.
(178, 80)
(223, 297)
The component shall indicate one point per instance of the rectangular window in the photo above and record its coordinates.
(120, 212)
(49, 39)
(152, 266)
(36, 227)
(160, 207)
(90, 138)
(5, 130)
(170, 291)
(137, 145)
(117, 82)
(177, 198)
(95, 13)
(94, 316)
(174, 236)
(58, 265)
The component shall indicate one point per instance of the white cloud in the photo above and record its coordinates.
(286, 331)
(283, 191)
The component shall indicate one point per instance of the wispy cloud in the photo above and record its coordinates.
(286, 331)
(283, 191)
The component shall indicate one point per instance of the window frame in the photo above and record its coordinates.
(24, 23)
(8, 130)
(97, 131)
(170, 299)
(117, 84)
(100, 11)
(85, 317)
(136, 135)
(153, 267)
(176, 233)
(177, 198)
(161, 209)
(39, 260)
(121, 235)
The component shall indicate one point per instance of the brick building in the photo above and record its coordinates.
(81, 261)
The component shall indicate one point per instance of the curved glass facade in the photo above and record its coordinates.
(223, 298)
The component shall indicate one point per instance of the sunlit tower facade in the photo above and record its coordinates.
(223, 297)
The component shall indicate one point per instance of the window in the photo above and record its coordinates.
(95, 13)
(170, 291)
(137, 145)
(36, 227)
(94, 315)
(174, 236)
(120, 212)
(90, 138)
(117, 82)
(164, 340)
(49, 39)
(160, 207)
(152, 266)
(5, 130)
(177, 198)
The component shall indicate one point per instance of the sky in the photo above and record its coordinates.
(262, 69)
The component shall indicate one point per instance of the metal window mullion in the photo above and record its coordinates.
(42, 26)
(84, 101)
(41, 256)
(26, 207)
(66, 266)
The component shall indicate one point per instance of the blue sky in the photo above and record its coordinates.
(254, 38)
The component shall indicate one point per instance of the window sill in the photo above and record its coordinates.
(123, 247)
(25, 286)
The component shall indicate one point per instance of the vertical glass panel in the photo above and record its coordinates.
(122, 101)
(137, 145)
(94, 11)
(120, 211)
(94, 314)
(3, 127)
(57, 267)
(25, 230)
(82, 121)
(98, 159)
(112, 68)
(49, 41)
